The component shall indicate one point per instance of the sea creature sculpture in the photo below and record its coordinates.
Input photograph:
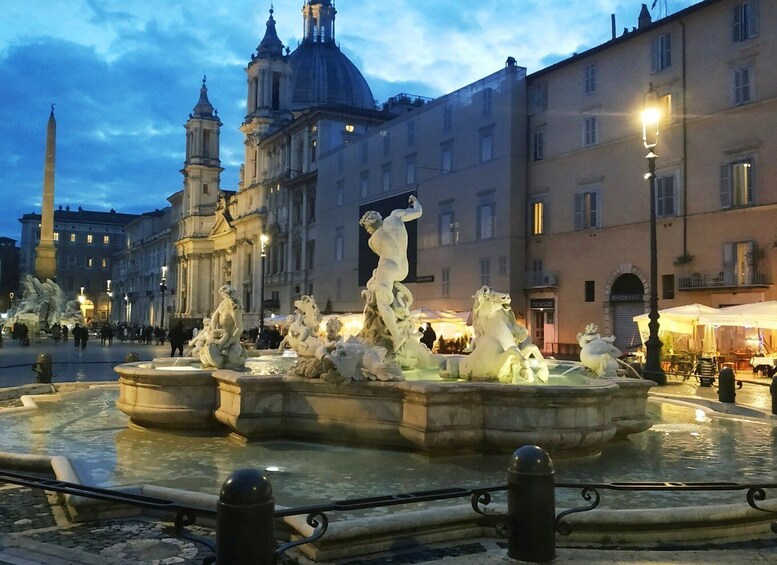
(502, 348)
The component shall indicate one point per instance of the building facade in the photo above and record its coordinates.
(143, 282)
(716, 197)
(9, 272)
(86, 242)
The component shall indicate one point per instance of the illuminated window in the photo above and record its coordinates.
(89, 238)
(538, 218)
(56, 236)
(350, 128)
(72, 238)
(106, 239)
(104, 263)
(737, 184)
(89, 262)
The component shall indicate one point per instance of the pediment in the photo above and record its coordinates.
(222, 226)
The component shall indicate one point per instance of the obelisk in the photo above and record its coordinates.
(46, 253)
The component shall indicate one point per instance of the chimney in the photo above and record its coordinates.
(644, 19)
(612, 24)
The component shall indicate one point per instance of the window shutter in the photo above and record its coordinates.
(725, 186)
(752, 18)
(728, 263)
(736, 28)
(654, 56)
(578, 211)
(751, 182)
(594, 210)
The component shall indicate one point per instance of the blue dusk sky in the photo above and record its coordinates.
(124, 75)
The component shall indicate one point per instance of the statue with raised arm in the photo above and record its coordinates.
(223, 348)
(386, 298)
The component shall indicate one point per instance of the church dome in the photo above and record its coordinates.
(324, 76)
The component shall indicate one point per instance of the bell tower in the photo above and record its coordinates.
(268, 102)
(202, 167)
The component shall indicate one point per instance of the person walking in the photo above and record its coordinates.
(84, 336)
(429, 337)
(77, 335)
(177, 339)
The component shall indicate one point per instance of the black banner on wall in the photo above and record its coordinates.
(367, 259)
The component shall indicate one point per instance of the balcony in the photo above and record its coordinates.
(541, 279)
(722, 280)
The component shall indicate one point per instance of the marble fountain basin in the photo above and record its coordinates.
(431, 417)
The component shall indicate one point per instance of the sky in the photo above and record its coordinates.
(124, 75)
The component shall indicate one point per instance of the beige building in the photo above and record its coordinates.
(457, 154)
(716, 197)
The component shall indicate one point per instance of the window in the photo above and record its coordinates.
(72, 238)
(386, 142)
(538, 98)
(486, 146)
(89, 238)
(104, 263)
(89, 262)
(488, 96)
(503, 264)
(447, 114)
(737, 180)
(310, 254)
(745, 23)
(486, 213)
(590, 78)
(339, 193)
(446, 158)
(661, 53)
(485, 272)
(410, 170)
(313, 147)
(56, 236)
(587, 210)
(339, 243)
(589, 131)
(386, 177)
(205, 188)
(364, 184)
(445, 277)
(446, 228)
(538, 145)
(338, 289)
(667, 287)
(666, 197)
(411, 132)
(537, 221)
(590, 291)
(106, 240)
(742, 86)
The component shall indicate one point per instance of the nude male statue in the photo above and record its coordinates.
(388, 240)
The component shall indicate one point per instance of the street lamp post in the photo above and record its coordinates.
(650, 120)
(109, 292)
(162, 289)
(264, 240)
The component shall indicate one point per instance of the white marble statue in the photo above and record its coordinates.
(599, 355)
(42, 305)
(386, 313)
(353, 360)
(222, 348)
(197, 343)
(502, 349)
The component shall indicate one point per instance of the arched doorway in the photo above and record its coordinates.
(627, 299)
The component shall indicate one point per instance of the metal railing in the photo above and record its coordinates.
(245, 512)
(724, 279)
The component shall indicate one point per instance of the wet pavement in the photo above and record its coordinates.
(35, 528)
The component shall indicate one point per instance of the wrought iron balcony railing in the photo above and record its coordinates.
(725, 279)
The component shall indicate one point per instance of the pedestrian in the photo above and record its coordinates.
(429, 337)
(77, 335)
(84, 336)
(177, 339)
(64, 332)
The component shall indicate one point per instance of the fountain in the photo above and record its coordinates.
(502, 395)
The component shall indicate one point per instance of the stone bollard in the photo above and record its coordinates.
(131, 357)
(245, 515)
(773, 391)
(726, 392)
(43, 367)
(531, 506)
